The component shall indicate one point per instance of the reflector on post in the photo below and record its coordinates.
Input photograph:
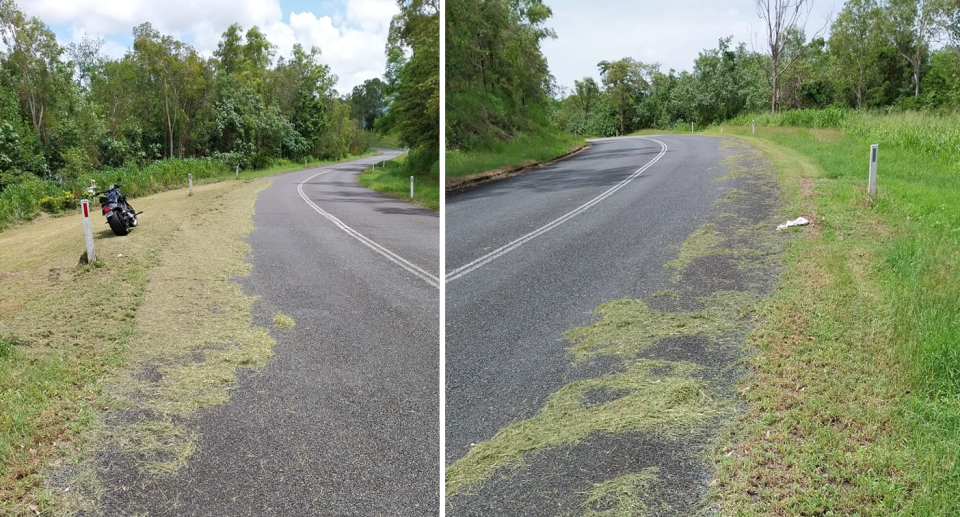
(88, 231)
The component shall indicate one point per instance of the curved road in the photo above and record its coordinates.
(530, 257)
(343, 420)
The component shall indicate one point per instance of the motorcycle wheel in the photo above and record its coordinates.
(117, 225)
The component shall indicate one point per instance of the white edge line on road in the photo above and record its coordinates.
(480, 262)
(393, 257)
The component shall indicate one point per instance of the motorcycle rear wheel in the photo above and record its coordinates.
(117, 225)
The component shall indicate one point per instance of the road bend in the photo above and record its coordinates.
(343, 420)
(530, 257)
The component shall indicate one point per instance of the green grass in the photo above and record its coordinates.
(527, 149)
(393, 178)
(76, 339)
(855, 401)
(24, 201)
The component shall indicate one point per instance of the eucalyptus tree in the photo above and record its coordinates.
(497, 76)
(780, 19)
(417, 103)
(586, 93)
(912, 26)
(855, 37)
(624, 80)
(33, 65)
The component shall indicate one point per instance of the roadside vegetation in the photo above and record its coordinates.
(538, 146)
(877, 56)
(393, 178)
(68, 113)
(497, 112)
(24, 201)
(855, 402)
(112, 357)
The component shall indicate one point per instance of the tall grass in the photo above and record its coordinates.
(393, 178)
(540, 145)
(916, 270)
(936, 135)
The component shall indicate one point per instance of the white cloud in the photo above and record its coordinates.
(351, 41)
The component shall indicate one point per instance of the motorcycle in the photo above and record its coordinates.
(120, 215)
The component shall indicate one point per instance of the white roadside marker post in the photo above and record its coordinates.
(872, 182)
(753, 126)
(691, 127)
(238, 171)
(411, 186)
(88, 231)
(190, 179)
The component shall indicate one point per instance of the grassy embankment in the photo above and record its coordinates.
(541, 145)
(393, 178)
(154, 329)
(855, 401)
(24, 201)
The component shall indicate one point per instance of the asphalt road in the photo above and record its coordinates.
(530, 257)
(343, 420)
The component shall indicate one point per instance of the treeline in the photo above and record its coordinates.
(413, 85)
(497, 80)
(879, 55)
(67, 110)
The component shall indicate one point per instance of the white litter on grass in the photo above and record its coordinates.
(800, 221)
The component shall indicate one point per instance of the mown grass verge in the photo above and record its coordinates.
(539, 146)
(855, 401)
(22, 202)
(117, 354)
(393, 178)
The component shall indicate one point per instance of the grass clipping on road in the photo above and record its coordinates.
(654, 396)
(622, 496)
(627, 327)
(118, 354)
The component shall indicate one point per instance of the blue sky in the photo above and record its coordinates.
(350, 33)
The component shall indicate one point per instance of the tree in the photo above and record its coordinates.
(417, 102)
(587, 92)
(854, 39)
(780, 17)
(624, 80)
(33, 61)
(368, 101)
(911, 26)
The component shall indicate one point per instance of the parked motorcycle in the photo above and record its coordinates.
(120, 215)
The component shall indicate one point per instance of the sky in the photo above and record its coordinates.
(350, 33)
(671, 33)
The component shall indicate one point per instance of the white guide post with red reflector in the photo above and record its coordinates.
(88, 231)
